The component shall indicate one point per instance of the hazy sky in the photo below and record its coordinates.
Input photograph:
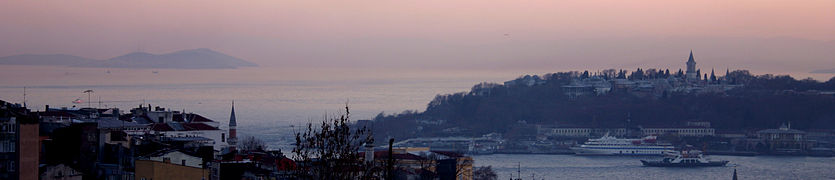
(760, 34)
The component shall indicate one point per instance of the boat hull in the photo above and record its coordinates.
(584, 151)
(669, 164)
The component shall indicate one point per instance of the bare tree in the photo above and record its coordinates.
(485, 173)
(251, 143)
(463, 166)
(427, 162)
(332, 150)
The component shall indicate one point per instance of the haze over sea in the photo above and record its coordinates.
(268, 99)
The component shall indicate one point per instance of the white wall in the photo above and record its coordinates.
(215, 135)
(178, 157)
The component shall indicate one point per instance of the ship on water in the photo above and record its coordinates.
(609, 145)
(687, 158)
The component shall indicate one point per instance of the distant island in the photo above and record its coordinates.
(186, 59)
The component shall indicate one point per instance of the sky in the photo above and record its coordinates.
(766, 35)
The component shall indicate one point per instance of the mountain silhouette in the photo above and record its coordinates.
(202, 58)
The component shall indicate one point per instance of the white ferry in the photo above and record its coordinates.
(608, 145)
(691, 158)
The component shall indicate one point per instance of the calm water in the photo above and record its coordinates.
(268, 100)
(583, 167)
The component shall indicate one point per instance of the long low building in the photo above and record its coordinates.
(689, 131)
(681, 131)
(580, 131)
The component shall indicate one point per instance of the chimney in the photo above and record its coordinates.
(46, 108)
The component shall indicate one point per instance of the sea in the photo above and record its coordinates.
(272, 103)
(538, 166)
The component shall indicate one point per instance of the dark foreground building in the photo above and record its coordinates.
(19, 145)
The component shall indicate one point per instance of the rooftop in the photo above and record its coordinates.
(182, 127)
(190, 117)
(112, 123)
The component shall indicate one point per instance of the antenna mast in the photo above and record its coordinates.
(519, 169)
(24, 96)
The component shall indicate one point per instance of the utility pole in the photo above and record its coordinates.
(519, 169)
(390, 163)
(24, 97)
(735, 178)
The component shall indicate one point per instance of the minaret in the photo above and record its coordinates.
(691, 68)
(233, 139)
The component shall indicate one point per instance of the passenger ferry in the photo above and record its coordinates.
(608, 145)
(688, 158)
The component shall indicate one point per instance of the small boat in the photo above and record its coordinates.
(687, 158)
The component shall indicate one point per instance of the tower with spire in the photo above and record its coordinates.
(691, 68)
(233, 139)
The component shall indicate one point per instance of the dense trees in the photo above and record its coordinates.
(762, 103)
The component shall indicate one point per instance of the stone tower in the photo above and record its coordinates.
(691, 68)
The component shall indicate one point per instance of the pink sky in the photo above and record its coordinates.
(461, 33)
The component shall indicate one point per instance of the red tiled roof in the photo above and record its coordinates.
(192, 117)
(198, 126)
(406, 156)
(185, 127)
(285, 164)
(198, 118)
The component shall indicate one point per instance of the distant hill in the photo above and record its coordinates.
(186, 59)
(45, 60)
